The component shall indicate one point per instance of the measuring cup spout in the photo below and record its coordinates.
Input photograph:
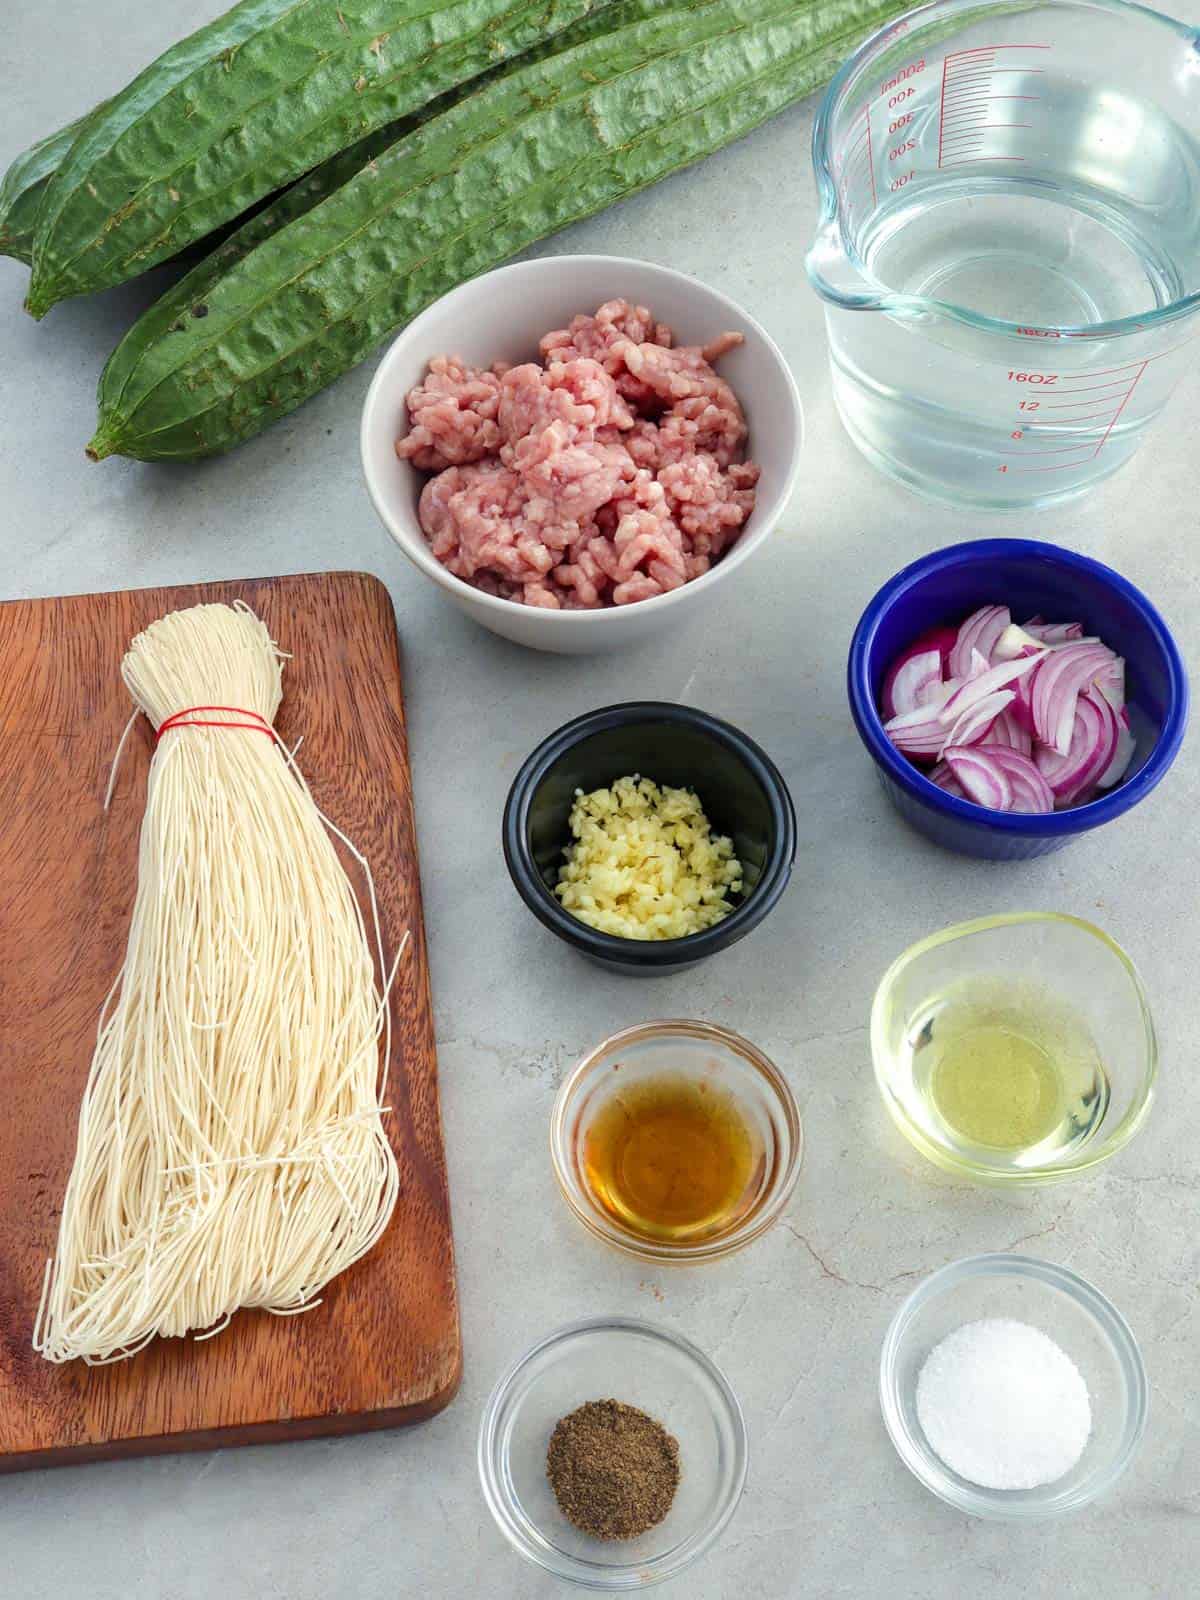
(836, 277)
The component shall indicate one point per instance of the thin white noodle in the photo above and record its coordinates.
(117, 753)
(240, 1160)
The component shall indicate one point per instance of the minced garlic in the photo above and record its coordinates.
(645, 863)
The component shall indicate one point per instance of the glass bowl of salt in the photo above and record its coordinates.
(1012, 1388)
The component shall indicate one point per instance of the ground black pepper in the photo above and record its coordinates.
(613, 1469)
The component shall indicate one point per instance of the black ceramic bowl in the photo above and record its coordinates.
(741, 790)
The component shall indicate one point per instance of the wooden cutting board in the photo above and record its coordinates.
(383, 1349)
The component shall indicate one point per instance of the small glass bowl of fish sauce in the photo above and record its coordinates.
(676, 1141)
(1017, 1049)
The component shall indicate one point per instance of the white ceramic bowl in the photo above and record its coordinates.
(501, 316)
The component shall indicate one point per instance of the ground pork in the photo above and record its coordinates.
(452, 416)
(610, 472)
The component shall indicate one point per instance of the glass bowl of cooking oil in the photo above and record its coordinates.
(676, 1141)
(1017, 1049)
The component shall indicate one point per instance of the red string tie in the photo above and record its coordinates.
(187, 718)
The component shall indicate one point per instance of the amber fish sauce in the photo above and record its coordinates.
(673, 1158)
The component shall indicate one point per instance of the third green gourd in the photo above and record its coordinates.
(245, 105)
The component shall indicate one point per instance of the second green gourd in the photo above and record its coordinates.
(538, 148)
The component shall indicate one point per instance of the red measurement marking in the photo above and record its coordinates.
(980, 129)
(968, 76)
(870, 156)
(858, 139)
(1130, 366)
(1081, 457)
(1121, 407)
(1112, 413)
(1066, 450)
(1093, 388)
(1067, 405)
(1080, 413)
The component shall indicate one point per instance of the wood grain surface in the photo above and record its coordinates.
(383, 1349)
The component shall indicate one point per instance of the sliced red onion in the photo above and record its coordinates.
(1013, 642)
(1022, 709)
(976, 722)
(1092, 749)
(935, 695)
(907, 683)
(1122, 756)
(1011, 717)
(1111, 683)
(941, 639)
(945, 779)
(918, 734)
(983, 778)
(1059, 682)
(1008, 731)
(976, 689)
(979, 632)
(1030, 791)
(1053, 632)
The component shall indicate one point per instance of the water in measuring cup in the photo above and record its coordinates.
(991, 421)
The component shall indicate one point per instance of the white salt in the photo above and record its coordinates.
(1003, 1406)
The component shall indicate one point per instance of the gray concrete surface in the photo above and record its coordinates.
(796, 1322)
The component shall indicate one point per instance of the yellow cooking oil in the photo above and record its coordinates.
(1007, 1071)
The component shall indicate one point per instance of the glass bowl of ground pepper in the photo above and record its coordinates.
(613, 1454)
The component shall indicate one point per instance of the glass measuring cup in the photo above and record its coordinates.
(1015, 186)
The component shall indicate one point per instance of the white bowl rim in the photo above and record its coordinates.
(990, 1503)
(418, 551)
(585, 1574)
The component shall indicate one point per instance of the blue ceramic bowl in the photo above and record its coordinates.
(1029, 577)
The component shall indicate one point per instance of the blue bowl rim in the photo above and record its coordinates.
(657, 953)
(1078, 819)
